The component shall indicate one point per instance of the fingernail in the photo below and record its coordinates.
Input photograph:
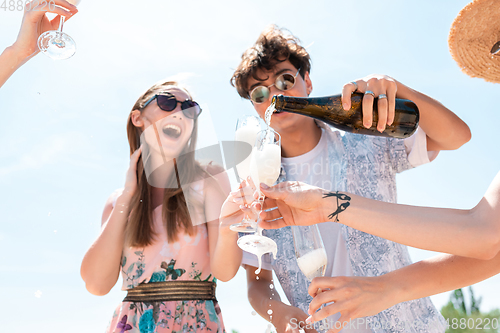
(366, 124)
(242, 207)
(309, 320)
(346, 106)
(263, 186)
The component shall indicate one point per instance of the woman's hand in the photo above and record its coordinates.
(291, 320)
(383, 87)
(354, 297)
(231, 212)
(35, 23)
(297, 204)
(131, 177)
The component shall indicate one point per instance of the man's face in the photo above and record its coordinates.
(282, 122)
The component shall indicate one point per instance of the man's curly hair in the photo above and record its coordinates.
(273, 46)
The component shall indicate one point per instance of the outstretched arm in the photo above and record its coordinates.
(357, 297)
(444, 129)
(470, 233)
(35, 22)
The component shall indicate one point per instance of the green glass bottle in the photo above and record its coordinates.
(329, 109)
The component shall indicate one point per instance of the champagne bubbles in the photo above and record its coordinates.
(269, 112)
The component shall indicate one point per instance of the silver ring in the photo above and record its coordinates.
(382, 96)
(355, 85)
(369, 92)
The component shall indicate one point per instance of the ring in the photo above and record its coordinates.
(355, 85)
(382, 96)
(369, 92)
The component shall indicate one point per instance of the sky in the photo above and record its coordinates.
(63, 124)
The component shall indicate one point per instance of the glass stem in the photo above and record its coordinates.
(61, 24)
(260, 199)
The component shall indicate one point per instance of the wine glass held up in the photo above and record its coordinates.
(55, 43)
(247, 129)
(265, 167)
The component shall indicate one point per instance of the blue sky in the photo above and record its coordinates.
(65, 145)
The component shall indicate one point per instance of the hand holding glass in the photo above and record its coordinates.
(55, 43)
(247, 129)
(265, 167)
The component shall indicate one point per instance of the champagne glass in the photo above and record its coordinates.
(247, 129)
(310, 252)
(265, 167)
(55, 43)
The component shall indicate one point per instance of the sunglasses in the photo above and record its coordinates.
(283, 82)
(167, 102)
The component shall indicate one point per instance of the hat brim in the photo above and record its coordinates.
(473, 33)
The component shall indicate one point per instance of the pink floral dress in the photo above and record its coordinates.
(186, 259)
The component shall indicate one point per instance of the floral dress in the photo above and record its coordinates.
(186, 259)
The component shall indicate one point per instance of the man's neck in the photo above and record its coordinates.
(301, 141)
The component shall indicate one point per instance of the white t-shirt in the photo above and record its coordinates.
(310, 169)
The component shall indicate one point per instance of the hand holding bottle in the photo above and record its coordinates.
(381, 86)
(230, 211)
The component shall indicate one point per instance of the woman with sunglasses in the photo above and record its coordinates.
(161, 231)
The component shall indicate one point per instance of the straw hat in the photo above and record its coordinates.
(474, 35)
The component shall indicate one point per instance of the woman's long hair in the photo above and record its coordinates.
(139, 231)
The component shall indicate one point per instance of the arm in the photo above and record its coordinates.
(357, 297)
(432, 113)
(225, 255)
(470, 233)
(285, 318)
(35, 22)
(101, 264)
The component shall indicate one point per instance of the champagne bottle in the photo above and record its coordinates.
(329, 109)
